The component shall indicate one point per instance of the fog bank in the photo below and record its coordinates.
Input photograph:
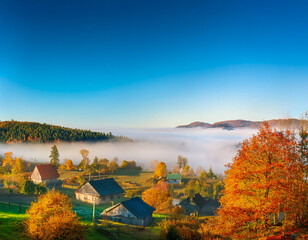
(202, 147)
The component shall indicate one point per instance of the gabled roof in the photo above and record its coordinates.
(174, 176)
(136, 206)
(193, 203)
(106, 186)
(47, 171)
(198, 200)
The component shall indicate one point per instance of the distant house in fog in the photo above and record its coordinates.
(198, 205)
(174, 178)
(100, 191)
(134, 211)
(46, 173)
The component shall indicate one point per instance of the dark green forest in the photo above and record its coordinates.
(14, 131)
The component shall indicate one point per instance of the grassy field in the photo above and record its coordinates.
(11, 226)
(11, 219)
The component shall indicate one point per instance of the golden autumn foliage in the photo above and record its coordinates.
(51, 217)
(265, 190)
(69, 164)
(160, 170)
(159, 197)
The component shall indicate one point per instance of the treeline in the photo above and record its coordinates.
(14, 131)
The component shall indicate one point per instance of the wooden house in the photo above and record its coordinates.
(46, 173)
(134, 211)
(100, 191)
(199, 205)
(174, 178)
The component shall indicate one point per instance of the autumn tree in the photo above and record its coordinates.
(103, 161)
(69, 165)
(8, 162)
(124, 164)
(113, 165)
(186, 169)
(192, 187)
(18, 166)
(182, 161)
(159, 197)
(54, 156)
(52, 217)
(264, 185)
(85, 159)
(203, 177)
(160, 170)
(153, 165)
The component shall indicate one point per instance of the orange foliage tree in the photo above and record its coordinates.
(69, 164)
(159, 197)
(264, 186)
(52, 217)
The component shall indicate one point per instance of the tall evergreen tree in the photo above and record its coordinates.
(54, 156)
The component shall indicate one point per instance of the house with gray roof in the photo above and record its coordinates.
(196, 204)
(100, 191)
(133, 211)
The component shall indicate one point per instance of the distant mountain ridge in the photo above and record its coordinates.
(233, 124)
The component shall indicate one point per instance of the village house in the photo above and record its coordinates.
(134, 212)
(199, 205)
(174, 178)
(100, 191)
(46, 173)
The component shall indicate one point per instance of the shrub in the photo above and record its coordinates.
(185, 229)
(159, 197)
(27, 187)
(51, 218)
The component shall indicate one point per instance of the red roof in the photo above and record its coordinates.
(47, 171)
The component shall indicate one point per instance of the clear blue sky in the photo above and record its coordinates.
(152, 63)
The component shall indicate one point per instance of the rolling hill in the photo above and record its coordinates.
(15, 131)
(233, 124)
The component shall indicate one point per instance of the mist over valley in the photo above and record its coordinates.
(202, 147)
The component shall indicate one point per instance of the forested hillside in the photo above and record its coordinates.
(14, 131)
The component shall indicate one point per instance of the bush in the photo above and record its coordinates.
(185, 229)
(41, 189)
(28, 187)
(52, 217)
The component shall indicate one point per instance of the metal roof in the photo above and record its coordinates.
(47, 171)
(174, 176)
(138, 207)
(106, 186)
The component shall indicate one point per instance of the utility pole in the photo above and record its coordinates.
(94, 212)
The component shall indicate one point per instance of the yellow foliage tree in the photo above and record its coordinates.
(160, 170)
(52, 217)
(69, 164)
(8, 161)
(18, 166)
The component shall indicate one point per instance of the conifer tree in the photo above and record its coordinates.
(54, 156)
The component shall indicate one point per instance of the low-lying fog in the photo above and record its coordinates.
(202, 147)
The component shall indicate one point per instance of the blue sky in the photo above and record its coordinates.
(152, 63)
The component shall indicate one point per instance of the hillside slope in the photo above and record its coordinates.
(232, 124)
(14, 131)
